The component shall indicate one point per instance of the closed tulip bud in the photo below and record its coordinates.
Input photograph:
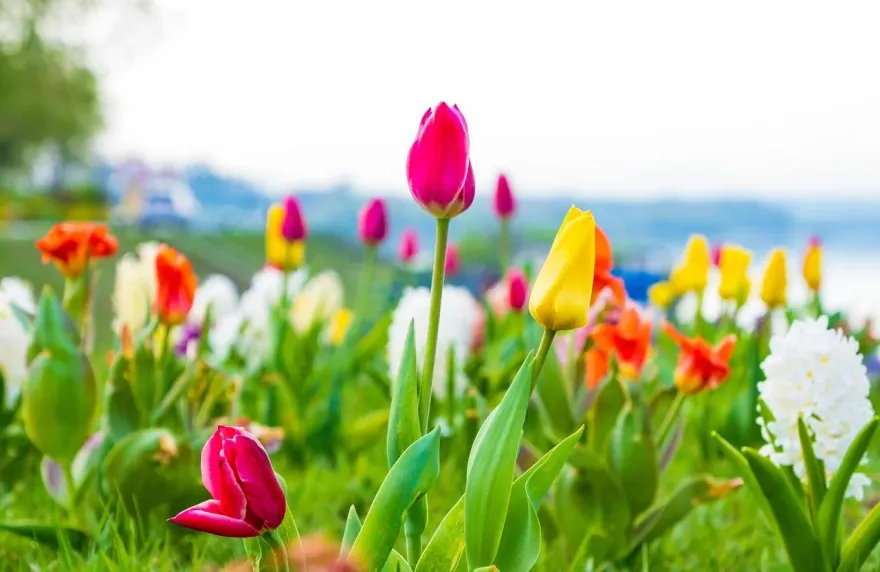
(247, 497)
(692, 273)
(453, 263)
(293, 223)
(408, 248)
(773, 288)
(812, 268)
(280, 252)
(734, 268)
(560, 298)
(517, 289)
(438, 167)
(176, 286)
(373, 222)
(505, 203)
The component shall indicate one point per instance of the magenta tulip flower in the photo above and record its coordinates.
(517, 289)
(293, 225)
(438, 166)
(373, 222)
(505, 203)
(453, 264)
(248, 499)
(408, 248)
(716, 254)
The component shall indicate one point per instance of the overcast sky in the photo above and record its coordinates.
(776, 98)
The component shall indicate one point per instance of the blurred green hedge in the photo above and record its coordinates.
(84, 202)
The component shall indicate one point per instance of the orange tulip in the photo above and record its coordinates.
(602, 277)
(596, 364)
(628, 341)
(700, 366)
(176, 286)
(604, 253)
(71, 245)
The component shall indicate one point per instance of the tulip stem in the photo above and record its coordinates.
(279, 550)
(504, 245)
(541, 357)
(363, 287)
(70, 486)
(413, 549)
(437, 277)
(669, 420)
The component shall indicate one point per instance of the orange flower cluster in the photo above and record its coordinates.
(700, 366)
(71, 245)
(628, 341)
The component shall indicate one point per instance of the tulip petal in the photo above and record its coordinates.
(209, 517)
(219, 478)
(258, 481)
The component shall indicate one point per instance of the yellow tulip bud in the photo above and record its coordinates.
(339, 326)
(692, 273)
(279, 252)
(775, 280)
(734, 269)
(812, 268)
(560, 298)
(661, 294)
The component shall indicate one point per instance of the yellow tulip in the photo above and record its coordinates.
(812, 268)
(692, 273)
(280, 253)
(319, 301)
(560, 298)
(775, 280)
(734, 269)
(339, 326)
(661, 294)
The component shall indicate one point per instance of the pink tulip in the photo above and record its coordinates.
(409, 246)
(814, 241)
(373, 222)
(716, 255)
(517, 289)
(453, 264)
(293, 225)
(247, 497)
(505, 203)
(438, 166)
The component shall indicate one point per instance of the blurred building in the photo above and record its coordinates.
(147, 198)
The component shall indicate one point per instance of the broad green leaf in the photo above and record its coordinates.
(352, 529)
(445, 549)
(604, 412)
(490, 471)
(828, 515)
(665, 515)
(414, 473)
(144, 379)
(554, 396)
(741, 466)
(791, 516)
(632, 457)
(396, 563)
(815, 471)
(53, 536)
(521, 540)
(122, 415)
(403, 422)
(861, 542)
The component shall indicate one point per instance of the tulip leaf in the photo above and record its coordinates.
(665, 515)
(446, 547)
(412, 476)
(144, 380)
(604, 412)
(554, 396)
(521, 540)
(403, 422)
(53, 536)
(800, 540)
(815, 471)
(122, 411)
(396, 563)
(828, 515)
(632, 456)
(53, 329)
(741, 466)
(861, 542)
(352, 529)
(491, 468)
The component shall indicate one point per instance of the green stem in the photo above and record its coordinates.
(70, 487)
(164, 361)
(450, 387)
(504, 245)
(543, 350)
(278, 549)
(669, 420)
(439, 272)
(413, 549)
(365, 280)
(698, 314)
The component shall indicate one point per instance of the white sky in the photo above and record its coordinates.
(773, 98)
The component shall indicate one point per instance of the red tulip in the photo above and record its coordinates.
(72, 245)
(293, 224)
(409, 246)
(373, 222)
(517, 289)
(438, 166)
(453, 264)
(176, 286)
(505, 203)
(247, 496)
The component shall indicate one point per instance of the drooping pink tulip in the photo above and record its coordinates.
(505, 203)
(293, 225)
(409, 246)
(453, 264)
(438, 167)
(517, 289)
(247, 496)
(373, 222)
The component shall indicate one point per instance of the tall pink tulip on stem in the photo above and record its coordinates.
(452, 266)
(505, 207)
(517, 289)
(293, 225)
(373, 222)
(408, 248)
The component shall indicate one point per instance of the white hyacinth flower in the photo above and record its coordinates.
(18, 293)
(459, 317)
(217, 292)
(135, 288)
(815, 373)
(14, 339)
